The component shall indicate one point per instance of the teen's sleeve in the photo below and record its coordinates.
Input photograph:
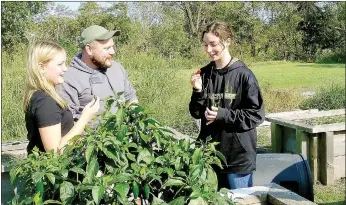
(197, 105)
(47, 112)
(250, 115)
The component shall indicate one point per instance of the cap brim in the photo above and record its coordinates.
(109, 35)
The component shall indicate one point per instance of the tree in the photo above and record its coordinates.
(15, 19)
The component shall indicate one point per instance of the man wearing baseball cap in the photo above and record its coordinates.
(93, 72)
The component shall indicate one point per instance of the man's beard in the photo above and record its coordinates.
(101, 64)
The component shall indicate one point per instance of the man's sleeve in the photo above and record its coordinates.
(130, 91)
(70, 94)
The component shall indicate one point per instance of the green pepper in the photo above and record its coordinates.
(40, 188)
(146, 191)
(135, 190)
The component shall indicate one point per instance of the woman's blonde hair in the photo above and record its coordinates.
(41, 52)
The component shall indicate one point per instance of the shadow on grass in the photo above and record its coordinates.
(334, 203)
(321, 65)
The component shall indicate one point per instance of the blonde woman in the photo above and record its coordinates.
(49, 122)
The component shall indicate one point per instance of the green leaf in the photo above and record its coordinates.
(109, 152)
(52, 202)
(78, 170)
(196, 157)
(198, 201)
(97, 193)
(131, 157)
(51, 178)
(66, 192)
(212, 178)
(89, 151)
(37, 176)
(122, 132)
(144, 137)
(37, 199)
(174, 182)
(141, 125)
(177, 201)
(177, 164)
(181, 173)
(144, 155)
(157, 201)
(92, 168)
(64, 173)
(220, 155)
(138, 109)
(120, 116)
(169, 171)
(123, 189)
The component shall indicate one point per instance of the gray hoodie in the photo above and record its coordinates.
(82, 83)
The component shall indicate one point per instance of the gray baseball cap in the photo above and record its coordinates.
(96, 32)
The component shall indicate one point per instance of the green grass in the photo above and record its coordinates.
(283, 74)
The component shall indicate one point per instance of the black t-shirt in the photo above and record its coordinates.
(43, 111)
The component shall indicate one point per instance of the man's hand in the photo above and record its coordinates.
(210, 115)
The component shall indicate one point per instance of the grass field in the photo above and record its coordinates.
(283, 74)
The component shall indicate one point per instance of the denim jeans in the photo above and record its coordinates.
(239, 180)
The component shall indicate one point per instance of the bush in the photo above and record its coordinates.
(280, 100)
(326, 98)
(127, 156)
(328, 56)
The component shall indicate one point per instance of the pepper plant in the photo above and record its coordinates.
(128, 156)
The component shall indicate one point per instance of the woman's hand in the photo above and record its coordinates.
(91, 108)
(196, 81)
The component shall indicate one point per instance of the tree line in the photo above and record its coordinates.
(304, 31)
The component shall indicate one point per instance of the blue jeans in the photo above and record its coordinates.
(239, 180)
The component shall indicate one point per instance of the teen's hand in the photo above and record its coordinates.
(196, 81)
(210, 115)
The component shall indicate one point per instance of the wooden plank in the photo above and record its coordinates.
(302, 143)
(278, 195)
(329, 127)
(326, 158)
(14, 146)
(313, 156)
(276, 138)
(307, 115)
(339, 144)
(291, 114)
(291, 124)
(339, 167)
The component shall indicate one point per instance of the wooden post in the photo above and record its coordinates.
(313, 138)
(276, 138)
(326, 158)
(302, 139)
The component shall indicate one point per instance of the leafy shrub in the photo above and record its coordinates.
(329, 56)
(127, 156)
(326, 98)
(280, 100)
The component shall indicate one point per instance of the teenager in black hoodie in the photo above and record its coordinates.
(227, 98)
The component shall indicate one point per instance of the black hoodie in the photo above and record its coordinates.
(235, 91)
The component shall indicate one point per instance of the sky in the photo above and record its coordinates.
(72, 5)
